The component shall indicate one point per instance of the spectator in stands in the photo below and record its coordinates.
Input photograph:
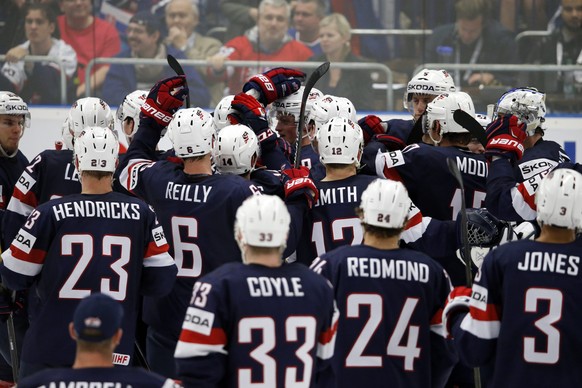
(267, 41)
(143, 37)
(11, 24)
(522, 15)
(562, 47)
(91, 37)
(182, 18)
(306, 17)
(39, 82)
(356, 85)
(241, 15)
(475, 38)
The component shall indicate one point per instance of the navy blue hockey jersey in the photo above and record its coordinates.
(255, 324)
(424, 171)
(543, 156)
(390, 330)
(97, 377)
(10, 170)
(525, 315)
(332, 221)
(82, 243)
(50, 175)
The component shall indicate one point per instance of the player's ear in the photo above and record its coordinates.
(72, 331)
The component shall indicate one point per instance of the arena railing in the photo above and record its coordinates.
(58, 61)
(262, 64)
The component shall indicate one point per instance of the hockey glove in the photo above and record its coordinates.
(274, 84)
(165, 98)
(250, 112)
(457, 303)
(392, 143)
(505, 137)
(371, 125)
(297, 183)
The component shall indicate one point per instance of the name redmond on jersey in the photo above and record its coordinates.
(550, 262)
(97, 209)
(371, 267)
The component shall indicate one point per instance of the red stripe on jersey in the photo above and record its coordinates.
(392, 173)
(490, 314)
(35, 256)
(415, 220)
(437, 318)
(527, 197)
(29, 199)
(153, 249)
(327, 335)
(217, 337)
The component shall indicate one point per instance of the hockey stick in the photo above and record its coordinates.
(175, 65)
(465, 251)
(469, 123)
(313, 78)
(14, 359)
(141, 356)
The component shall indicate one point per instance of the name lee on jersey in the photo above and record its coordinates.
(550, 262)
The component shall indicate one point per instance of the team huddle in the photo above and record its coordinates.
(261, 252)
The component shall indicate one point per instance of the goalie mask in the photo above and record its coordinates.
(385, 203)
(262, 221)
(528, 104)
(559, 199)
(236, 150)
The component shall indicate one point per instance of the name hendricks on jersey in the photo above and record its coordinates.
(268, 286)
(371, 267)
(98, 209)
(472, 166)
(550, 262)
(337, 195)
(189, 193)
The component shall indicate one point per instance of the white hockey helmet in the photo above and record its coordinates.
(559, 199)
(11, 104)
(327, 107)
(442, 109)
(262, 221)
(221, 112)
(96, 149)
(192, 132)
(89, 112)
(131, 107)
(236, 149)
(340, 141)
(426, 81)
(67, 135)
(292, 105)
(528, 104)
(483, 120)
(385, 203)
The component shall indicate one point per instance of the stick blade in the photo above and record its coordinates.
(175, 65)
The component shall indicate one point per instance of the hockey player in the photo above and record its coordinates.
(96, 329)
(195, 207)
(520, 113)
(128, 112)
(284, 118)
(522, 311)
(52, 173)
(260, 320)
(390, 301)
(332, 221)
(95, 241)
